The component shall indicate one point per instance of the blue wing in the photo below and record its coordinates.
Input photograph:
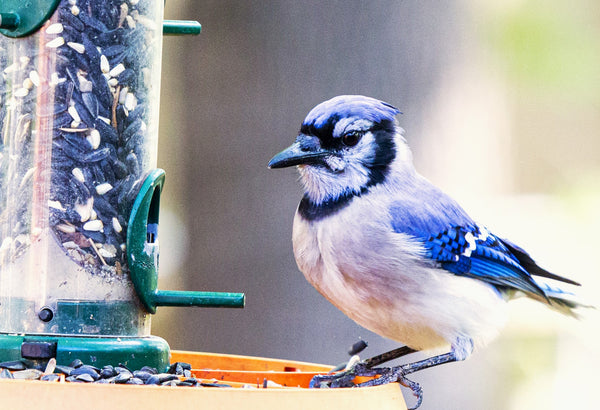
(473, 252)
(452, 239)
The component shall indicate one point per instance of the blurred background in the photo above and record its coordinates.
(501, 104)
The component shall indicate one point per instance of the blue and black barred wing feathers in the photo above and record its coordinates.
(472, 251)
(462, 247)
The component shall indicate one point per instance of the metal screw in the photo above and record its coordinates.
(45, 314)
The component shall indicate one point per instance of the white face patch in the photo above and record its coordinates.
(345, 172)
(346, 125)
(321, 184)
(335, 163)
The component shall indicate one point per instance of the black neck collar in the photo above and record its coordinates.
(313, 212)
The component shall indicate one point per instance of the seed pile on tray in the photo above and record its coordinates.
(75, 111)
(178, 374)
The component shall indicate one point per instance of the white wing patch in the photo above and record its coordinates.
(471, 244)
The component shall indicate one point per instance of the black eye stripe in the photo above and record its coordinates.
(325, 131)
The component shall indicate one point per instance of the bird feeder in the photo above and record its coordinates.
(79, 212)
(80, 191)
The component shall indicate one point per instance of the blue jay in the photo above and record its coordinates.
(392, 251)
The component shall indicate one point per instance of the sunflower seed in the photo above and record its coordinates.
(80, 48)
(78, 174)
(55, 28)
(95, 225)
(34, 77)
(94, 138)
(21, 92)
(104, 66)
(57, 42)
(103, 188)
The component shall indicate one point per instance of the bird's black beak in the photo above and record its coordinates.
(298, 154)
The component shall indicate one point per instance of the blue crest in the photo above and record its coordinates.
(326, 114)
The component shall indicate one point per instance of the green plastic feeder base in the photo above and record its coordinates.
(133, 352)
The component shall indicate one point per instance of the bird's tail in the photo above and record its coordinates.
(559, 298)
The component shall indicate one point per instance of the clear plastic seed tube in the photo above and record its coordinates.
(78, 133)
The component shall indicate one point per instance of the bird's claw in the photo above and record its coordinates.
(344, 378)
(416, 389)
(395, 374)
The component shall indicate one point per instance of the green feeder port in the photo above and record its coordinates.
(19, 18)
(142, 245)
(79, 187)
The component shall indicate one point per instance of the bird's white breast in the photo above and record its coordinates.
(379, 279)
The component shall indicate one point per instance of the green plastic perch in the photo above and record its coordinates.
(142, 255)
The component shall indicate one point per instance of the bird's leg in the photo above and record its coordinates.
(461, 349)
(387, 356)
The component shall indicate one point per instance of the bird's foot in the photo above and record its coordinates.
(343, 378)
(383, 375)
(380, 376)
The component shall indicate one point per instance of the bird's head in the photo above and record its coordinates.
(345, 145)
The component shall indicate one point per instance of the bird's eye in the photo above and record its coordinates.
(351, 139)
